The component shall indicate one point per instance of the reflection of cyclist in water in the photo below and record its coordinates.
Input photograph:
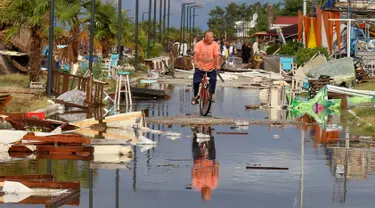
(205, 171)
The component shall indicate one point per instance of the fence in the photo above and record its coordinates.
(62, 82)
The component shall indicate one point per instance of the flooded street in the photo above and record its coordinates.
(321, 171)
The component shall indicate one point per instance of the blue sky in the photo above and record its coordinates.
(201, 20)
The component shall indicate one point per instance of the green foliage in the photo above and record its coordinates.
(290, 48)
(272, 49)
(223, 20)
(302, 54)
(305, 54)
(156, 50)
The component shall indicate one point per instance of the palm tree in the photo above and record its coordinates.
(31, 16)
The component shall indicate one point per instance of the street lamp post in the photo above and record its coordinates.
(149, 27)
(169, 14)
(119, 32)
(50, 47)
(136, 33)
(194, 15)
(165, 15)
(92, 26)
(155, 21)
(189, 17)
(160, 20)
(182, 22)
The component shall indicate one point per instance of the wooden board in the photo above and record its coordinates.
(50, 149)
(49, 184)
(29, 177)
(63, 139)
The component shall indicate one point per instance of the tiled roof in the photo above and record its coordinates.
(284, 20)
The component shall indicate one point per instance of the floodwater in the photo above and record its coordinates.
(322, 172)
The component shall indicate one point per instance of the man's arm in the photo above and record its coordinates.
(195, 59)
(217, 58)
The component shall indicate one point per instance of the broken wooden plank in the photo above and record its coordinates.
(44, 200)
(64, 139)
(49, 184)
(266, 168)
(64, 198)
(234, 133)
(65, 157)
(4, 100)
(71, 104)
(29, 177)
(48, 149)
(109, 142)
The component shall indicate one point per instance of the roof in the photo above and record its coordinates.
(291, 30)
(285, 20)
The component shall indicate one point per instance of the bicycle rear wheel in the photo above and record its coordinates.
(205, 101)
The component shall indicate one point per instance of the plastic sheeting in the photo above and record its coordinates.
(75, 96)
(340, 70)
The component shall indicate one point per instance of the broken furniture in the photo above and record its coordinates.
(4, 100)
(123, 79)
(39, 189)
(287, 65)
(63, 82)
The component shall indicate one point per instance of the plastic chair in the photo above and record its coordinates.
(286, 64)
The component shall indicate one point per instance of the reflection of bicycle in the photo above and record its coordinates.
(203, 146)
(205, 171)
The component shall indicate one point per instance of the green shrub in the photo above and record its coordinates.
(290, 49)
(272, 49)
(305, 54)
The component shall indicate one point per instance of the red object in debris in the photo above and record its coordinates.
(39, 115)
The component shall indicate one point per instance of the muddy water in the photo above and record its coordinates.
(165, 176)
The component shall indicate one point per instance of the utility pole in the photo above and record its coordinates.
(149, 28)
(50, 46)
(119, 29)
(155, 21)
(194, 15)
(136, 33)
(165, 15)
(169, 14)
(160, 20)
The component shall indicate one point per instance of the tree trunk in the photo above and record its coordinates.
(35, 55)
(75, 45)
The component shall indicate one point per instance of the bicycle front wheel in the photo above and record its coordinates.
(205, 101)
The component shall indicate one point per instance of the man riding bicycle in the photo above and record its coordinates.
(206, 58)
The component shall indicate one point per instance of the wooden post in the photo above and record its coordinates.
(344, 102)
(89, 91)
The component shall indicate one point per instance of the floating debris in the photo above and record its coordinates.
(266, 168)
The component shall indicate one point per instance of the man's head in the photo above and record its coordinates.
(206, 193)
(208, 37)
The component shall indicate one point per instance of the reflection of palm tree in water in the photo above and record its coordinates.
(205, 169)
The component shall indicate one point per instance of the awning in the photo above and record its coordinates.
(288, 31)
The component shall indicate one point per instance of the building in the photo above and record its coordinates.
(242, 29)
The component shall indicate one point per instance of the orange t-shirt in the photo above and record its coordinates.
(205, 174)
(206, 54)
